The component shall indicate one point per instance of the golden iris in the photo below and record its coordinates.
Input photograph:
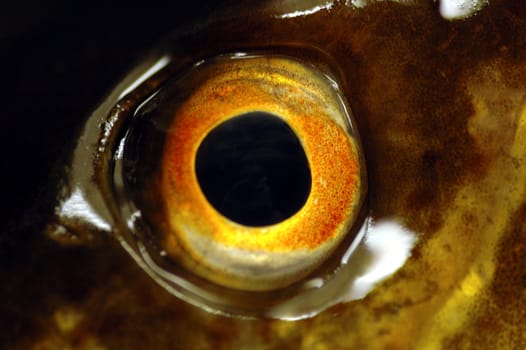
(266, 257)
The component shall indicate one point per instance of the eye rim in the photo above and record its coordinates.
(310, 104)
(95, 207)
(241, 303)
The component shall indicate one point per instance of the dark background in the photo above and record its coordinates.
(59, 58)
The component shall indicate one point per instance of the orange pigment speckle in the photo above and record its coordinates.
(331, 152)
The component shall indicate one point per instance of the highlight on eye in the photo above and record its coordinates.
(246, 172)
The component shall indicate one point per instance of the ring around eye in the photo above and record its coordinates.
(247, 170)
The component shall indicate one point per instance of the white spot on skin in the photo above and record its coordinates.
(459, 9)
(306, 12)
(449, 9)
(295, 8)
(390, 245)
(386, 245)
(76, 206)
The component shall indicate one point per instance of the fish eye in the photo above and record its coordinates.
(358, 163)
(241, 174)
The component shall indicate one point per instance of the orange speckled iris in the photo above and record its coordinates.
(305, 101)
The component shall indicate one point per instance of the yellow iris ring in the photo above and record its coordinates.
(306, 101)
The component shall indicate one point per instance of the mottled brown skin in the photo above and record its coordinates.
(410, 77)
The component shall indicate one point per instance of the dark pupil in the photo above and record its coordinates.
(253, 169)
